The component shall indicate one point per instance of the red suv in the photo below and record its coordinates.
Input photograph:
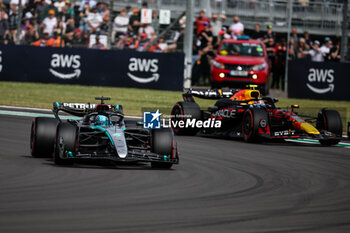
(239, 62)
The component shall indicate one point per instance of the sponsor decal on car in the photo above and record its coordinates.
(284, 133)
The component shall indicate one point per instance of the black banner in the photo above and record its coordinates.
(319, 80)
(92, 67)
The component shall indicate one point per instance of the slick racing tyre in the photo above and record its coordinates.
(182, 111)
(331, 121)
(252, 120)
(42, 137)
(66, 140)
(162, 144)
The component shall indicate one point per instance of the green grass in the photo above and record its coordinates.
(133, 100)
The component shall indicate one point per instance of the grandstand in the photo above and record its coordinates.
(319, 17)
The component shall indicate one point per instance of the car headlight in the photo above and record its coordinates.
(218, 65)
(259, 67)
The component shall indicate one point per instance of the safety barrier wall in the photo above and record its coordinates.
(319, 80)
(92, 67)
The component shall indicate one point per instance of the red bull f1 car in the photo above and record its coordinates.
(100, 133)
(245, 114)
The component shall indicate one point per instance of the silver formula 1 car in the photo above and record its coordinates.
(100, 133)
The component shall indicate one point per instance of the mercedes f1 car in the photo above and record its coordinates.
(245, 114)
(100, 133)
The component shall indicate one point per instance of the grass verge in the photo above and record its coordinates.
(133, 100)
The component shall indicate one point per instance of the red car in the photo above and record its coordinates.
(239, 62)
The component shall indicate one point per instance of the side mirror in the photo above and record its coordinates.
(294, 106)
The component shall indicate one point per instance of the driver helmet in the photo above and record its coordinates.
(101, 120)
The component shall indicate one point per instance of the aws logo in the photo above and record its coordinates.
(325, 76)
(141, 65)
(63, 62)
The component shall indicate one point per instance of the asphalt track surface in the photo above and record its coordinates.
(219, 186)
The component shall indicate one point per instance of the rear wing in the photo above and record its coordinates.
(208, 94)
(81, 109)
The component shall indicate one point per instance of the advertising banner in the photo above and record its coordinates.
(319, 80)
(92, 67)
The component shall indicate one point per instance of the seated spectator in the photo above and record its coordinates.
(4, 25)
(315, 52)
(148, 29)
(49, 23)
(55, 41)
(59, 4)
(120, 25)
(94, 21)
(98, 44)
(143, 42)
(43, 41)
(91, 4)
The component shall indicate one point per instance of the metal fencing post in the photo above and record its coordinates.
(290, 14)
(344, 38)
(19, 23)
(110, 25)
(188, 43)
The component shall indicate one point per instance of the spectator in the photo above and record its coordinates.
(295, 37)
(142, 43)
(98, 44)
(308, 41)
(257, 34)
(49, 23)
(334, 53)
(278, 74)
(302, 48)
(200, 21)
(326, 47)
(315, 52)
(269, 34)
(236, 26)
(13, 19)
(59, 4)
(155, 22)
(31, 35)
(134, 21)
(43, 41)
(291, 52)
(206, 38)
(90, 3)
(83, 18)
(120, 25)
(4, 25)
(69, 31)
(270, 50)
(55, 41)
(40, 11)
(128, 11)
(216, 24)
(148, 29)
(94, 21)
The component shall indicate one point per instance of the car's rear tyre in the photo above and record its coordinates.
(251, 122)
(42, 137)
(331, 121)
(68, 135)
(184, 111)
(162, 144)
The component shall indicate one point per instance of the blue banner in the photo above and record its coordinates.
(163, 71)
(318, 80)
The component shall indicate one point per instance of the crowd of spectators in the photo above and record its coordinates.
(59, 23)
